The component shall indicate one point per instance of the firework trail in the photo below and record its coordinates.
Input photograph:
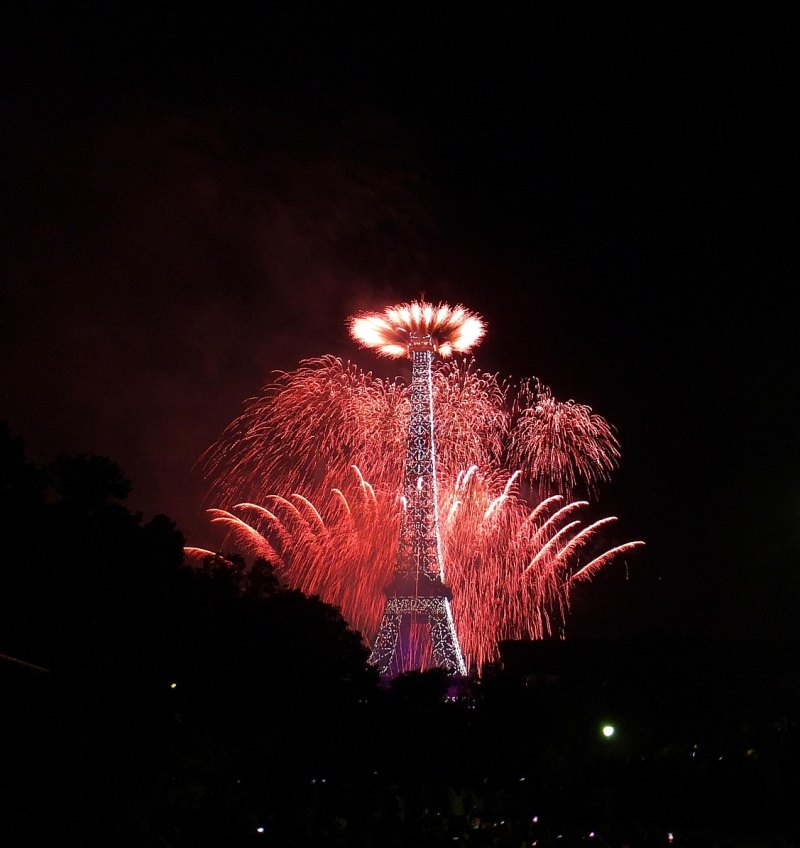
(310, 477)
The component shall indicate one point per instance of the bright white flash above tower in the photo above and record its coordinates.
(440, 327)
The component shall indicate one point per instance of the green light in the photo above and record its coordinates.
(608, 730)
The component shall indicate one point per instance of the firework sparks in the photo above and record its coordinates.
(561, 444)
(309, 477)
(394, 331)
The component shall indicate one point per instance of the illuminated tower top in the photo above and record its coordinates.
(418, 325)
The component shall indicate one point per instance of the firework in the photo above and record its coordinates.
(396, 330)
(310, 477)
(560, 445)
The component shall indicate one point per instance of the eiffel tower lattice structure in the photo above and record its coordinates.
(418, 595)
(417, 628)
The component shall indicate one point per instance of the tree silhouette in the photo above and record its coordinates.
(167, 688)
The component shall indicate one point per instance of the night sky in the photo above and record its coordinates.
(192, 200)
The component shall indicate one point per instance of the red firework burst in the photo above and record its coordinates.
(449, 329)
(310, 478)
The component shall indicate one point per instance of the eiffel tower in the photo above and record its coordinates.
(417, 597)
(417, 629)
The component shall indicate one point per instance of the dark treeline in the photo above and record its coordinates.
(145, 702)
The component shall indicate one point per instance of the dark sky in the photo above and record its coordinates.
(192, 199)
